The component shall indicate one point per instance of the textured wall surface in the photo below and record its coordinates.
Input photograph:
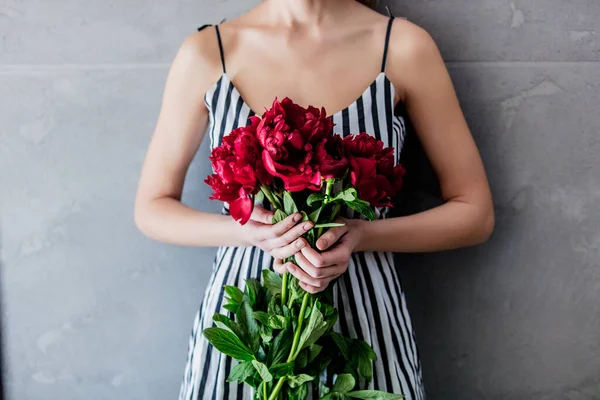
(93, 310)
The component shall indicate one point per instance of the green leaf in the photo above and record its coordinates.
(315, 328)
(294, 289)
(241, 372)
(259, 197)
(313, 351)
(304, 216)
(289, 206)
(228, 343)
(224, 322)
(262, 316)
(328, 225)
(249, 329)
(347, 195)
(362, 207)
(314, 216)
(274, 307)
(342, 343)
(277, 322)
(374, 395)
(266, 334)
(302, 359)
(282, 344)
(344, 383)
(364, 355)
(314, 198)
(279, 216)
(263, 371)
(301, 392)
(272, 281)
(295, 381)
(231, 307)
(283, 369)
(254, 291)
(234, 293)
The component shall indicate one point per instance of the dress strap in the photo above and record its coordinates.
(387, 41)
(220, 47)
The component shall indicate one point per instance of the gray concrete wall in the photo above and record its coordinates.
(93, 310)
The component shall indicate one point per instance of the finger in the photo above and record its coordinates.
(292, 234)
(283, 226)
(312, 289)
(316, 272)
(330, 237)
(304, 277)
(317, 259)
(288, 250)
(261, 215)
(278, 266)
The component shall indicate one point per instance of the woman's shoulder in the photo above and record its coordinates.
(201, 47)
(408, 39)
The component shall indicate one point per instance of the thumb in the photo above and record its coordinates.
(261, 215)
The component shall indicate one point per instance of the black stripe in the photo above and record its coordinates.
(387, 40)
(220, 47)
(195, 329)
(389, 112)
(345, 122)
(341, 311)
(376, 318)
(225, 112)
(209, 349)
(250, 114)
(361, 114)
(399, 289)
(213, 106)
(399, 323)
(236, 282)
(374, 112)
(238, 109)
(352, 304)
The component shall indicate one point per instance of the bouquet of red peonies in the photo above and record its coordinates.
(281, 335)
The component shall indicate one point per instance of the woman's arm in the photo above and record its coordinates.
(180, 128)
(467, 216)
(183, 118)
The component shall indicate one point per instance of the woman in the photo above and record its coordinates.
(323, 53)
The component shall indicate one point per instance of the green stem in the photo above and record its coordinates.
(275, 202)
(265, 390)
(328, 189)
(284, 290)
(292, 355)
(335, 212)
(277, 389)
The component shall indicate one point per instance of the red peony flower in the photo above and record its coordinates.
(330, 157)
(372, 170)
(289, 134)
(238, 171)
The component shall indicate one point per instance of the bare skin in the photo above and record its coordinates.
(322, 53)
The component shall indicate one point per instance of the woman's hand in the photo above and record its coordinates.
(316, 270)
(280, 240)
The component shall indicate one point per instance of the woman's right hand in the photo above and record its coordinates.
(280, 240)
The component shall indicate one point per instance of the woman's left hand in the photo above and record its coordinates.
(316, 270)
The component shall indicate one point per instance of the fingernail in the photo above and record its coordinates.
(322, 243)
(291, 268)
(297, 217)
(307, 226)
(299, 244)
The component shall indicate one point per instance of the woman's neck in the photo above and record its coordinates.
(306, 12)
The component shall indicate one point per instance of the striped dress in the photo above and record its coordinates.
(368, 296)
